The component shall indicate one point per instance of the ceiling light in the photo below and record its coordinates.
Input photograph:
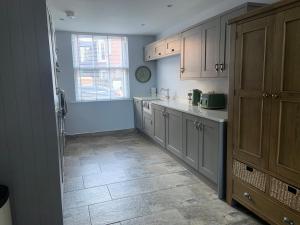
(170, 5)
(143, 24)
(62, 19)
(70, 14)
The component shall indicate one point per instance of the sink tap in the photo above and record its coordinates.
(167, 91)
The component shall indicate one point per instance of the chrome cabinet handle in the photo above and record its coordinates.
(247, 195)
(182, 70)
(222, 67)
(199, 126)
(288, 221)
(265, 95)
(275, 96)
(217, 67)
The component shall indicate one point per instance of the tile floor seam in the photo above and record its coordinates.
(109, 192)
(139, 178)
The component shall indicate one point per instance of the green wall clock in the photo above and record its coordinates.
(143, 74)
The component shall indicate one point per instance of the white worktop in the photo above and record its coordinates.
(184, 106)
(149, 98)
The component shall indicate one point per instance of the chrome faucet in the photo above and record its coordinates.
(167, 90)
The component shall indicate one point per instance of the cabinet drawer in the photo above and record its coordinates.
(250, 175)
(258, 202)
(284, 193)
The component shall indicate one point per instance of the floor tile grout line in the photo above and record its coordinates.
(109, 192)
(90, 215)
(132, 196)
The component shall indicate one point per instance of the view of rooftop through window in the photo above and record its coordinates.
(101, 67)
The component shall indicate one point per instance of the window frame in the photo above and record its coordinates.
(100, 69)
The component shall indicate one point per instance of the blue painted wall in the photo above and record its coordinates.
(100, 116)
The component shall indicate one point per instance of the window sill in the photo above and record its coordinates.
(104, 100)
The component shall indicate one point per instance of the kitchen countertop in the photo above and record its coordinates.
(183, 106)
(149, 98)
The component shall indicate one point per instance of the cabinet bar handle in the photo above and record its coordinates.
(265, 95)
(217, 67)
(222, 67)
(275, 96)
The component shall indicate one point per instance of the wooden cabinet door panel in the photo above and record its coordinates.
(190, 140)
(252, 83)
(210, 48)
(159, 125)
(285, 132)
(174, 132)
(209, 150)
(191, 53)
(149, 52)
(160, 49)
(225, 40)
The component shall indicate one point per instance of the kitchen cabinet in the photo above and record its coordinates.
(138, 114)
(173, 45)
(174, 131)
(264, 108)
(210, 32)
(149, 52)
(160, 49)
(209, 147)
(148, 124)
(159, 129)
(191, 54)
(191, 140)
(201, 145)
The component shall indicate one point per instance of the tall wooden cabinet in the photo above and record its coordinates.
(264, 113)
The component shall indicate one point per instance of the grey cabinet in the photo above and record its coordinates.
(138, 114)
(224, 55)
(190, 67)
(210, 47)
(159, 128)
(174, 131)
(209, 149)
(201, 145)
(148, 124)
(190, 140)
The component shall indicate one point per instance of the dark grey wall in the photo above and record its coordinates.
(29, 163)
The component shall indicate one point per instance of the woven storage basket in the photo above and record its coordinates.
(250, 175)
(285, 193)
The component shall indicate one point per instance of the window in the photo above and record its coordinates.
(101, 67)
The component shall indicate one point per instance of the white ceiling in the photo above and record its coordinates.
(125, 16)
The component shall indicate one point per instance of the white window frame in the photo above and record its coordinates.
(97, 57)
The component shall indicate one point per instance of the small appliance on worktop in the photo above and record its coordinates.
(213, 101)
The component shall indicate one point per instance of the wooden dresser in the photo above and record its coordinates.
(263, 161)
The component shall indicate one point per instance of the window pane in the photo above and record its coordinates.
(101, 67)
(119, 80)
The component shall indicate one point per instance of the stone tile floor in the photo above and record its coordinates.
(125, 179)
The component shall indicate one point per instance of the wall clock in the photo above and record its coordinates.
(143, 74)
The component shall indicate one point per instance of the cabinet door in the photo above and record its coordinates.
(225, 40)
(209, 149)
(160, 49)
(190, 140)
(173, 45)
(210, 48)
(174, 132)
(149, 53)
(148, 124)
(138, 114)
(191, 54)
(159, 124)
(252, 85)
(285, 131)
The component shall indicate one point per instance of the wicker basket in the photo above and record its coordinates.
(286, 194)
(250, 175)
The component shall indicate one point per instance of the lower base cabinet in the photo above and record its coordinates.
(159, 124)
(148, 124)
(174, 132)
(199, 142)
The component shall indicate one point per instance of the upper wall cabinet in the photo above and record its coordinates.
(191, 54)
(204, 48)
(162, 48)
